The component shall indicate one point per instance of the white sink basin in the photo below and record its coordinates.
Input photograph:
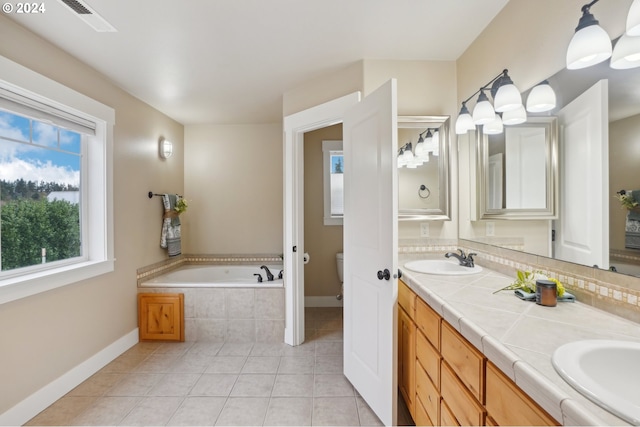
(604, 371)
(441, 266)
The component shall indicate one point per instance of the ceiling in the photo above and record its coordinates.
(230, 61)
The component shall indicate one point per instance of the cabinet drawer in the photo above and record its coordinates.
(427, 394)
(464, 407)
(429, 358)
(428, 321)
(446, 417)
(421, 418)
(465, 360)
(407, 299)
(508, 405)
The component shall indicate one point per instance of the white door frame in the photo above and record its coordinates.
(295, 126)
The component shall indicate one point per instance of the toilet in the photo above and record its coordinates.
(339, 264)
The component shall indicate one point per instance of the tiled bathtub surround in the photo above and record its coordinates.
(615, 293)
(232, 314)
(225, 314)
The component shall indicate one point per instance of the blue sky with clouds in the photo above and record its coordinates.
(44, 153)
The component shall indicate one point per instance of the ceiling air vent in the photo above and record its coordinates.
(89, 16)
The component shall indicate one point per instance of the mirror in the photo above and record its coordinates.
(423, 184)
(624, 158)
(517, 171)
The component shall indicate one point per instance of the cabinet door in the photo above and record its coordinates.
(508, 405)
(463, 405)
(465, 360)
(407, 359)
(161, 317)
(426, 394)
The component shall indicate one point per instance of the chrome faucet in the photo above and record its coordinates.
(465, 260)
(269, 275)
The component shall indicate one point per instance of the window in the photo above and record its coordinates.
(55, 149)
(333, 182)
(40, 216)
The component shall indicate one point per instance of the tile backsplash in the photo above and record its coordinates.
(615, 293)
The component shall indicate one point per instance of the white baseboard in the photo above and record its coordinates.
(41, 399)
(322, 302)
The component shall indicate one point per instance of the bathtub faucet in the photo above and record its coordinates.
(269, 275)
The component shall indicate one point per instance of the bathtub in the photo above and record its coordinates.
(216, 276)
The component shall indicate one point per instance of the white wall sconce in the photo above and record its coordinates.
(165, 148)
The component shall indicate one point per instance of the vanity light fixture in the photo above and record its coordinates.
(590, 44)
(541, 98)
(506, 98)
(165, 148)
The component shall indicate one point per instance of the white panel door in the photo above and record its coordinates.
(370, 249)
(582, 230)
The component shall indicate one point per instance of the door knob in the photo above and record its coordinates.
(386, 274)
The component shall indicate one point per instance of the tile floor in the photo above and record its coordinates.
(207, 383)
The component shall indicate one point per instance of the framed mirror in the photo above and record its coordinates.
(423, 168)
(517, 171)
(621, 105)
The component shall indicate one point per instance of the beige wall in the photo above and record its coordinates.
(624, 173)
(322, 242)
(233, 182)
(530, 39)
(46, 335)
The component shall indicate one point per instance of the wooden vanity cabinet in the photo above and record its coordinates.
(407, 346)
(445, 380)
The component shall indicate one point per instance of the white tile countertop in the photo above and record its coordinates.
(520, 336)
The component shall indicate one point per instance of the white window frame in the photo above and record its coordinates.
(96, 187)
(327, 148)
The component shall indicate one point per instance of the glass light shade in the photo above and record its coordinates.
(464, 122)
(633, 19)
(514, 117)
(412, 165)
(483, 112)
(419, 149)
(408, 155)
(507, 98)
(589, 46)
(166, 148)
(401, 160)
(436, 139)
(626, 53)
(493, 127)
(541, 98)
(424, 156)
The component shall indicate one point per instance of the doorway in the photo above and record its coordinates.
(323, 229)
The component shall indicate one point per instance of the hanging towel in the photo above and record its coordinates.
(170, 235)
